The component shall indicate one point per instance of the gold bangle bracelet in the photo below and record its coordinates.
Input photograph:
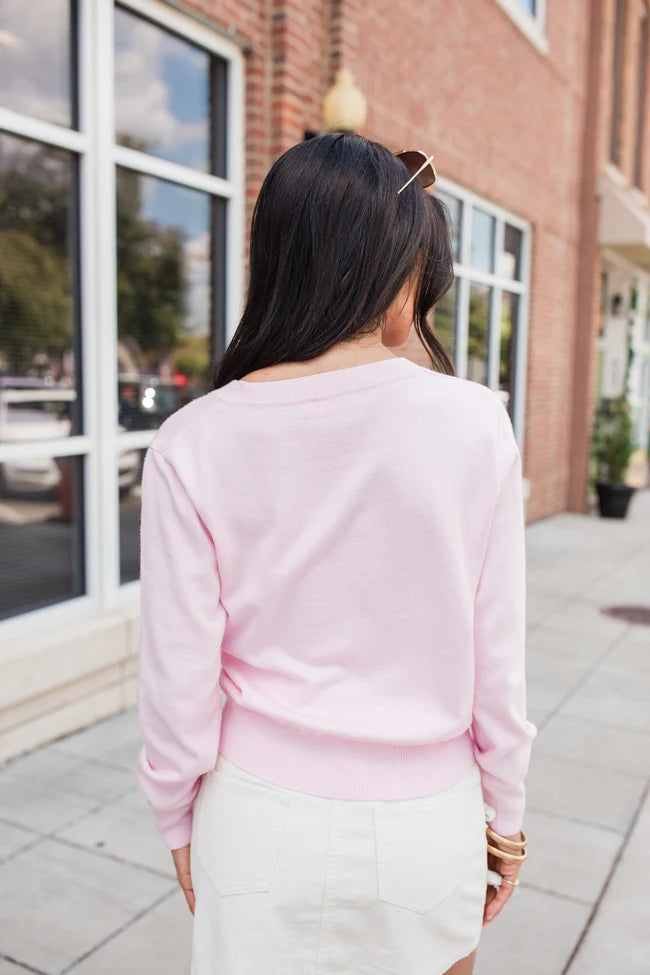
(504, 855)
(509, 844)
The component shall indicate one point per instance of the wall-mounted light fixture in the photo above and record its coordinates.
(344, 106)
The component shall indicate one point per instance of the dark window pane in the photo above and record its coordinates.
(616, 115)
(480, 296)
(167, 91)
(129, 463)
(165, 300)
(41, 533)
(510, 260)
(641, 100)
(508, 347)
(482, 240)
(39, 334)
(454, 206)
(445, 319)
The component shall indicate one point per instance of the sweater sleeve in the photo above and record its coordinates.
(181, 627)
(502, 734)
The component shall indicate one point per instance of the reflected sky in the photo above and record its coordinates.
(35, 59)
(162, 92)
(167, 206)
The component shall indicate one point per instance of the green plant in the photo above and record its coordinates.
(612, 440)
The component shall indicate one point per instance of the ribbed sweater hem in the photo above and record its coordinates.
(339, 768)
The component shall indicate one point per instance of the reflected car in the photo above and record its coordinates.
(30, 410)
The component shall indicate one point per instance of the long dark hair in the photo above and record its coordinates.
(332, 244)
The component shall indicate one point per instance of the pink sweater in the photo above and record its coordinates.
(343, 554)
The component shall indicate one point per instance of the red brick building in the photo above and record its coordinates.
(134, 137)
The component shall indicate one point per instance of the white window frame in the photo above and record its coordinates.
(98, 155)
(466, 274)
(532, 26)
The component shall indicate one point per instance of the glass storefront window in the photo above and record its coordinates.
(151, 143)
(454, 206)
(510, 259)
(480, 296)
(38, 273)
(36, 62)
(41, 532)
(508, 346)
(482, 243)
(445, 319)
(169, 95)
(164, 288)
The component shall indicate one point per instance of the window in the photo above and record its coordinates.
(616, 122)
(120, 187)
(481, 319)
(642, 99)
(530, 17)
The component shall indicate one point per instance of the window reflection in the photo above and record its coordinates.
(510, 259)
(41, 532)
(480, 297)
(129, 478)
(508, 346)
(38, 332)
(453, 205)
(482, 254)
(35, 59)
(164, 251)
(445, 319)
(166, 93)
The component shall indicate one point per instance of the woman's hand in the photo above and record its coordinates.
(495, 899)
(182, 864)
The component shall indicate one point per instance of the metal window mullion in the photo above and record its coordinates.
(30, 128)
(235, 157)
(90, 361)
(462, 327)
(521, 350)
(494, 328)
(492, 280)
(23, 449)
(148, 165)
(106, 528)
(494, 338)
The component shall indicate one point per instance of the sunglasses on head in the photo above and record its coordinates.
(419, 165)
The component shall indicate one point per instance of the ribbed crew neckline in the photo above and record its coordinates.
(320, 385)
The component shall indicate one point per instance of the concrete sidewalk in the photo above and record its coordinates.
(87, 887)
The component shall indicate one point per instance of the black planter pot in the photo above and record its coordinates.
(613, 499)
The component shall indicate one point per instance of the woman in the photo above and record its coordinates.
(334, 537)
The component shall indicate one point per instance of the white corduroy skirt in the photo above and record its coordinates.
(288, 883)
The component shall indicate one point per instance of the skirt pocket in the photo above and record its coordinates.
(237, 832)
(426, 846)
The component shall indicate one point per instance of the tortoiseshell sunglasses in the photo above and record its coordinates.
(420, 165)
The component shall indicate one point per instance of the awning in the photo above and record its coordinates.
(624, 223)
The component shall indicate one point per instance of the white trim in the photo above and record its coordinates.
(531, 26)
(235, 168)
(456, 189)
(106, 532)
(19, 450)
(32, 128)
(486, 277)
(134, 439)
(185, 26)
(195, 179)
(90, 358)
